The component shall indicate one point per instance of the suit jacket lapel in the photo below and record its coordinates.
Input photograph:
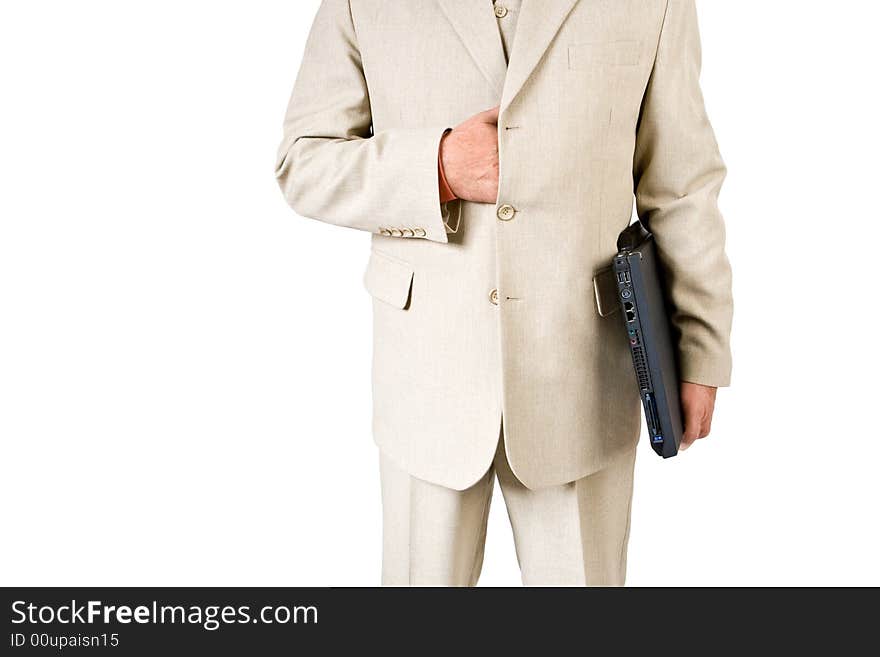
(476, 25)
(538, 23)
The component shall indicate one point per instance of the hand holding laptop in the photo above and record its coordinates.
(698, 406)
(677, 413)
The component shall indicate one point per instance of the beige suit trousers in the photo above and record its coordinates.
(573, 534)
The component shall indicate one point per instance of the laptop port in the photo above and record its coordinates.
(651, 415)
(628, 306)
(630, 316)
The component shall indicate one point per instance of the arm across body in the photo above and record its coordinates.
(332, 168)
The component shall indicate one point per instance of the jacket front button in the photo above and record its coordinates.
(493, 297)
(506, 212)
(500, 11)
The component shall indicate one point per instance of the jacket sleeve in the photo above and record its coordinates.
(331, 166)
(678, 174)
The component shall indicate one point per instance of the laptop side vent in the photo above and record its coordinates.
(641, 368)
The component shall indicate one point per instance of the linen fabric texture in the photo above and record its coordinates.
(483, 311)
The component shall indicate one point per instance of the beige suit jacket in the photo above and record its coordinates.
(489, 311)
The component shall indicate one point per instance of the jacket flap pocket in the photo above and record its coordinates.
(617, 53)
(605, 288)
(388, 279)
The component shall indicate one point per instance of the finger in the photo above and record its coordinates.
(490, 115)
(707, 428)
(692, 426)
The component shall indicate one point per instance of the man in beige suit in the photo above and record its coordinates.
(491, 357)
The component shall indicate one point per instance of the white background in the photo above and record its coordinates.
(184, 363)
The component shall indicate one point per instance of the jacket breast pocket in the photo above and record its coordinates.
(591, 56)
(389, 280)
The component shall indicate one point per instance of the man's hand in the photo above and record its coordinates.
(470, 158)
(698, 405)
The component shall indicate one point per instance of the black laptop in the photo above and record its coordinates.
(646, 318)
